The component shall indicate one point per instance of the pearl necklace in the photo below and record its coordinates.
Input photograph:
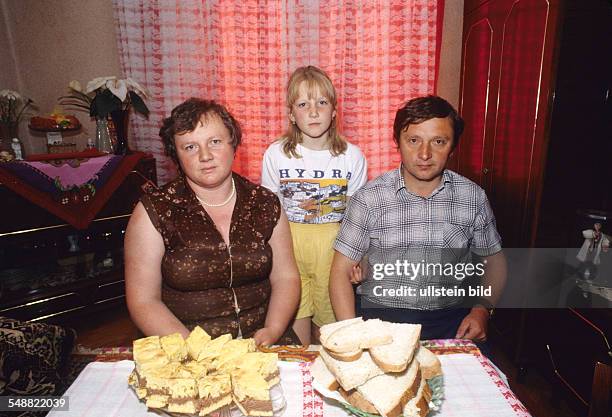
(223, 202)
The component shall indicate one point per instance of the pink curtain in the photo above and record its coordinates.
(379, 54)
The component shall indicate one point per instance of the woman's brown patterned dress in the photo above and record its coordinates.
(222, 289)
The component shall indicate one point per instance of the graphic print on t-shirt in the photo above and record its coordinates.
(314, 200)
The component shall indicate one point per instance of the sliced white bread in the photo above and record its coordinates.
(430, 364)
(358, 335)
(322, 375)
(388, 393)
(347, 356)
(395, 356)
(351, 374)
(419, 405)
(354, 398)
(328, 329)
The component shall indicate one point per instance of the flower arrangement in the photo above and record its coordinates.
(12, 106)
(104, 95)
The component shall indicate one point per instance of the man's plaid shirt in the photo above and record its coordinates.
(388, 223)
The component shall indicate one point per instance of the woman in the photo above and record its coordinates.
(210, 248)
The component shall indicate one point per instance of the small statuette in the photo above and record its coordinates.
(16, 145)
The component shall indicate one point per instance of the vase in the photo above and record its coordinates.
(104, 142)
(8, 131)
(120, 121)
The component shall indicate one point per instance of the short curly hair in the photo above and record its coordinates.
(185, 118)
(421, 109)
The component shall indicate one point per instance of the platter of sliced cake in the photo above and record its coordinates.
(202, 376)
(377, 368)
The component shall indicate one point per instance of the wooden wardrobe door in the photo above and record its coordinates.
(519, 138)
(505, 99)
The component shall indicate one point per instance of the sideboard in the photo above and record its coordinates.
(53, 272)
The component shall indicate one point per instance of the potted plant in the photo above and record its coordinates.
(108, 98)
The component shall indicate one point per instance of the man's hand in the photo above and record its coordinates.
(267, 336)
(474, 325)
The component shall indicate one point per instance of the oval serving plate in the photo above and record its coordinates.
(436, 385)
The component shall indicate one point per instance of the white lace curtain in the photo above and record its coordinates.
(378, 53)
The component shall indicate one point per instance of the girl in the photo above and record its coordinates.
(314, 171)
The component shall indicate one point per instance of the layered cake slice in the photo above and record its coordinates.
(134, 382)
(183, 396)
(197, 369)
(158, 391)
(265, 364)
(251, 393)
(174, 346)
(199, 375)
(214, 391)
(212, 350)
(232, 354)
(148, 354)
(196, 341)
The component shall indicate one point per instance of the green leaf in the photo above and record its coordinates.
(67, 101)
(139, 104)
(80, 95)
(77, 99)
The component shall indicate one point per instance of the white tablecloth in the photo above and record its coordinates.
(472, 388)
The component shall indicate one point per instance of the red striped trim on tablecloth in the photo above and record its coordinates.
(518, 408)
(312, 402)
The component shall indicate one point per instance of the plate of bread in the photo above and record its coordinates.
(377, 368)
(202, 376)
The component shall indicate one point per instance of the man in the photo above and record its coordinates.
(419, 210)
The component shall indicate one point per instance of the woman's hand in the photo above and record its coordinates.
(267, 336)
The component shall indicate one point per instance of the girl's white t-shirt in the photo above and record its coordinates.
(313, 188)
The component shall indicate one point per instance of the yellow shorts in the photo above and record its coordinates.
(313, 246)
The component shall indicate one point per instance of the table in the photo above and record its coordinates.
(74, 189)
(473, 388)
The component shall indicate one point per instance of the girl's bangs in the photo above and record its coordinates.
(313, 84)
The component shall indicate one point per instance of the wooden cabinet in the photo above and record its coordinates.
(506, 94)
(536, 96)
(52, 272)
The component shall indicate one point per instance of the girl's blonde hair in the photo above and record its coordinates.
(314, 78)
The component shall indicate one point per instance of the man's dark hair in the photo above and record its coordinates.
(185, 118)
(421, 109)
